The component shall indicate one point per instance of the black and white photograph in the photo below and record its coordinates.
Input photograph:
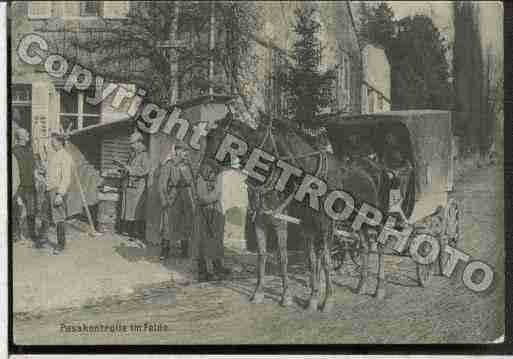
(190, 173)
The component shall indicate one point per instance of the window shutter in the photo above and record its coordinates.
(40, 111)
(39, 9)
(115, 9)
(110, 113)
(115, 148)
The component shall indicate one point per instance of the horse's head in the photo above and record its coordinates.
(229, 125)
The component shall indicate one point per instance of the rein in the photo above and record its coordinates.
(267, 186)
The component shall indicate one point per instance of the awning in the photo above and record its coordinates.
(101, 126)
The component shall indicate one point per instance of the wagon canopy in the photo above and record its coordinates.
(424, 135)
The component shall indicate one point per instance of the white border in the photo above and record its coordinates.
(3, 182)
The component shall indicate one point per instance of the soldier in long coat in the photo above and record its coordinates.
(177, 197)
(210, 222)
(27, 189)
(134, 188)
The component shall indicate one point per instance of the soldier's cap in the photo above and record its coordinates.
(135, 137)
(22, 134)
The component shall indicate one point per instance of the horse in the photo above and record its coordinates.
(290, 143)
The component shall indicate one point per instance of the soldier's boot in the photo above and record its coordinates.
(31, 222)
(15, 231)
(220, 269)
(61, 238)
(164, 251)
(45, 227)
(206, 272)
(184, 248)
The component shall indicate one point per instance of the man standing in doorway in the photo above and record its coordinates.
(27, 189)
(210, 222)
(176, 186)
(60, 167)
(133, 207)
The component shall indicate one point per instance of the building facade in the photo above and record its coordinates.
(101, 132)
(376, 80)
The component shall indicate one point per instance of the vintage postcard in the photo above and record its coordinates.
(254, 172)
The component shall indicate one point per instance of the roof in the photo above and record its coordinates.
(373, 117)
(101, 126)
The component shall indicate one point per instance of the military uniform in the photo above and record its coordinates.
(177, 200)
(210, 223)
(27, 189)
(60, 167)
(133, 202)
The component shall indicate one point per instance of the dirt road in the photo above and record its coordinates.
(220, 313)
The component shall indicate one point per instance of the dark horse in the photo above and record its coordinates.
(289, 143)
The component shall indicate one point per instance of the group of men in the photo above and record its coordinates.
(39, 189)
(192, 219)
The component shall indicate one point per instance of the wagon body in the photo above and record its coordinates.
(425, 136)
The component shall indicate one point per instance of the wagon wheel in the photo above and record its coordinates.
(338, 254)
(356, 250)
(451, 233)
(425, 271)
(452, 225)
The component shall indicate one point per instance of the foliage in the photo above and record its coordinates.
(131, 50)
(376, 24)
(235, 216)
(475, 117)
(417, 54)
(308, 87)
(420, 72)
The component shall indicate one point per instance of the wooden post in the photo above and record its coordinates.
(84, 203)
(380, 289)
(211, 48)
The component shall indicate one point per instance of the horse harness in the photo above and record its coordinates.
(267, 186)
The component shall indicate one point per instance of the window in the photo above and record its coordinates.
(75, 112)
(90, 8)
(370, 95)
(94, 9)
(21, 95)
(39, 9)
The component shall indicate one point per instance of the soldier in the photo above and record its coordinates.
(134, 187)
(27, 189)
(176, 188)
(210, 222)
(60, 166)
(398, 169)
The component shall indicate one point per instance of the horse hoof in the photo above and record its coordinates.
(257, 298)
(313, 305)
(380, 293)
(286, 301)
(327, 306)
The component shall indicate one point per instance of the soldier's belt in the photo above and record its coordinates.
(180, 186)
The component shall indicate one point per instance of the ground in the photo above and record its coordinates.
(185, 312)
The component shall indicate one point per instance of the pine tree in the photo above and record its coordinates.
(305, 83)
(420, 72)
